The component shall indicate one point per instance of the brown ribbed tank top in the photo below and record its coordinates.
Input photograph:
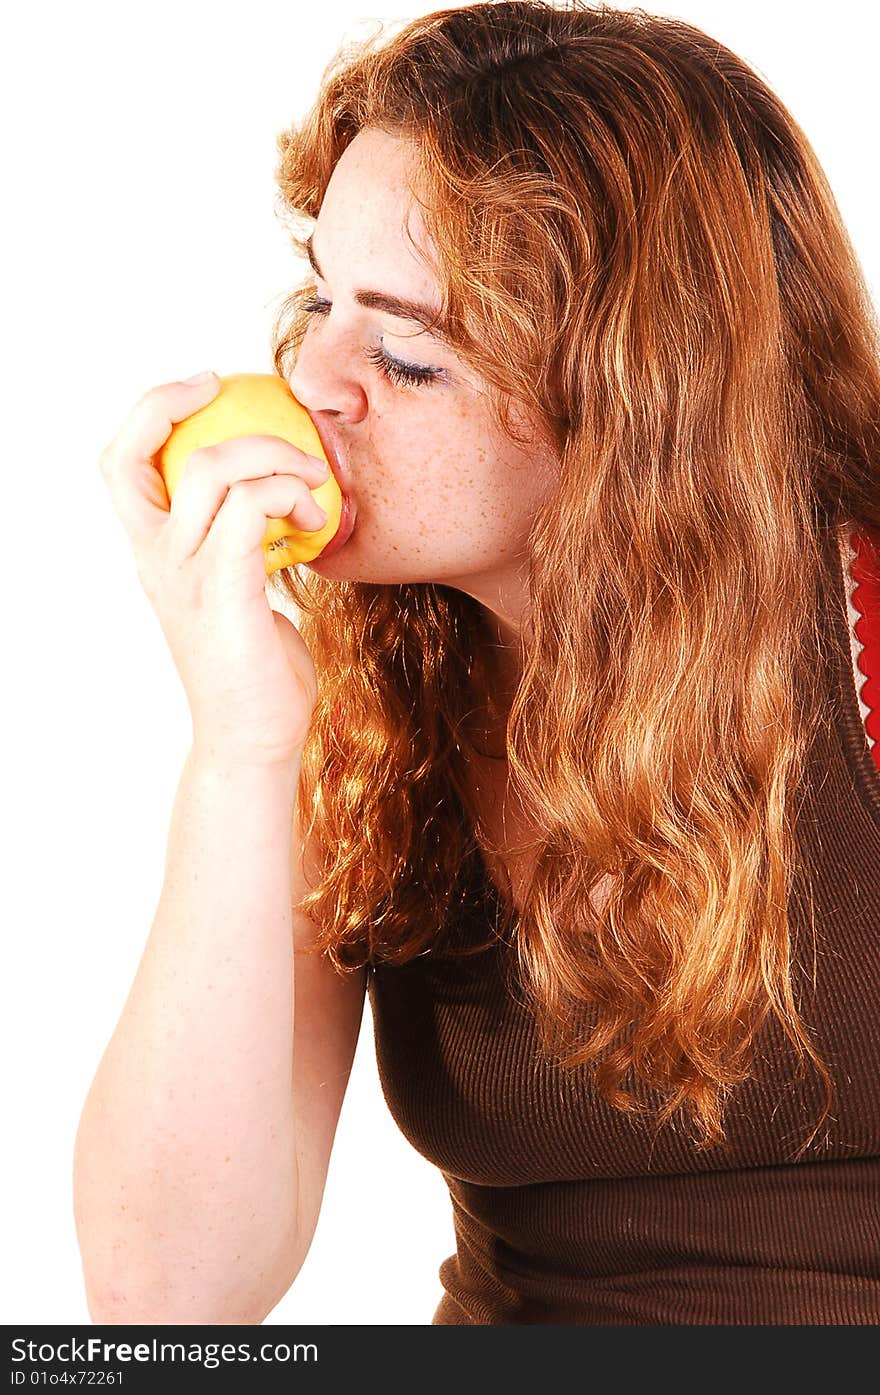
(566, 1210)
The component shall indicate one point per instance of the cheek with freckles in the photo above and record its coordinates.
(440, 498)
(432, 529)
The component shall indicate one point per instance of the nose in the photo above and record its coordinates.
(324, 380)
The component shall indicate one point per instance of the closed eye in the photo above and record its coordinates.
(401, 374)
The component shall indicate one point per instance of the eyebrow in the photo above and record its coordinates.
(414, 310)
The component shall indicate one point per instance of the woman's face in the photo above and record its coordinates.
(437, 494)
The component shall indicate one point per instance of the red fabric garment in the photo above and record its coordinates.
(865, 572)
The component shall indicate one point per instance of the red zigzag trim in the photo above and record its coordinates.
(865, 572)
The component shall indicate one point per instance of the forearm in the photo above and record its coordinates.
(185, 1164)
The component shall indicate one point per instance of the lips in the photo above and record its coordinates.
(343, 532)
(332, 452)
(346, 517)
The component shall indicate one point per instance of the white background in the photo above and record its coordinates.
(140, 245)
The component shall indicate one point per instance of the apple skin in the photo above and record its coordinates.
(258, 404)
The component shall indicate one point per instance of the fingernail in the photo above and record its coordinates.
(320, 464)
(199, 378)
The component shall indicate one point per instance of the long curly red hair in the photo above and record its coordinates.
(712, 386)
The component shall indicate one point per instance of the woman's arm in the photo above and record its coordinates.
(192, 1134)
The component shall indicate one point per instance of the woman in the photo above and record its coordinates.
(585, 795)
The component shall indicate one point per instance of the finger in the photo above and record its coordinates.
(237, 531)
(135, 484)
(211, 471)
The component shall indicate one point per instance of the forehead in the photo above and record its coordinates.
(368, 217)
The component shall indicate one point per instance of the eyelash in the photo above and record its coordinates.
(400, 374)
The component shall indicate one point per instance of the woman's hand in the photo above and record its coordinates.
(249, 678)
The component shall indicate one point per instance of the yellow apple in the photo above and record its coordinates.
(258, 404)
